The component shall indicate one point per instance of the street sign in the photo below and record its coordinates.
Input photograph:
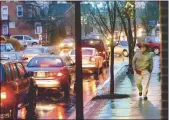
(152, 23)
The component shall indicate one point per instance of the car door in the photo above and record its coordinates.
(17, 81)
(22, 76)
(71, 67)
(28, 40)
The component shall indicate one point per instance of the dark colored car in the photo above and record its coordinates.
(50, 72)
(153, 43)
(100, 46)
(18, 90)
(6, 47)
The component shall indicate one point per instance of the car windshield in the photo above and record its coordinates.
(67, 40)
(124, 43)
(34, 50)
(10, 56)
(84, 52)
(2, 48)
(45, 62)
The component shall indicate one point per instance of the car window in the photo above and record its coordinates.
(124, 43)
(8, 73)
(87, 51)
(12, 48)
(8, 48)
(2, 73)
(27, 38)
(45, 62)
(14, 72)
(2, 48)
(18, 37)
(21, 70)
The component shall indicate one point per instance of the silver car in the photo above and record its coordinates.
(122, 48)
(31, 52)
(26, 40)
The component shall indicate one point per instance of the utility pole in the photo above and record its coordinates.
(79, 81)
(164, 57)
(0, 20)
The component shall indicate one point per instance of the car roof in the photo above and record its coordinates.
(50, 56)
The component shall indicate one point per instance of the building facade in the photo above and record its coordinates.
(12, 22)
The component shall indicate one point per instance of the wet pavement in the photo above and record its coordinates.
(52, 106)
(133, 107)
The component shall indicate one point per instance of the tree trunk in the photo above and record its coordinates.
(130, 42)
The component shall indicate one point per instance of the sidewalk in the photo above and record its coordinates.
(127, 108)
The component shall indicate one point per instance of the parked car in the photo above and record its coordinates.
(26, 40)
(67, 43)
(6, 47)
(92, 62)
(11, 56)
(50, 72)
(153, 43)
(18, 90)
(30, 52)
(100, 46)
(122, 48)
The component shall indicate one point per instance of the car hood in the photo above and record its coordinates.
(47, 69)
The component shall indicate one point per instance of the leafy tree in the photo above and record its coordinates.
(151, 12)
(126, 12)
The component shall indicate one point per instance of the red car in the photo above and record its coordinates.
(153, 43)
(50, 72)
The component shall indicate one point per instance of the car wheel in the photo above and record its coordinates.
(156, 51)
(32, 100)
(125, 53)
(34, 43)
(14, 112)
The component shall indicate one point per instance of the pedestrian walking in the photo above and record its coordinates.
(142, 65)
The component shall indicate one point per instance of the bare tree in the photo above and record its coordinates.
(106, 25)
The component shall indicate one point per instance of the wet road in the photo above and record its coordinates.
(52, 106)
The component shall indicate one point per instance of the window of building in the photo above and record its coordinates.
(38, 28)
(19, 11)
(5, 29)
(4, 12)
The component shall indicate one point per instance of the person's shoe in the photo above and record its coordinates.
(145, 98)
(140, 94)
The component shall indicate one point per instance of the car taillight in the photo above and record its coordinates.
(104, 52)
(54, 74)
(3, 95)
(59, 74)
(92, 59)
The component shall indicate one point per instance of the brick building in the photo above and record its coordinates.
(12, 22)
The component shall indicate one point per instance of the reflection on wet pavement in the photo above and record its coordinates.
(51, 106)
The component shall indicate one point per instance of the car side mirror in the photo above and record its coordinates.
(72, 64)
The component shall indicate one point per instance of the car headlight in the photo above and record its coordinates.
(61, 45)
(70, 44)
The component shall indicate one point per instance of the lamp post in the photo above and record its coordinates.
(79, 81)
